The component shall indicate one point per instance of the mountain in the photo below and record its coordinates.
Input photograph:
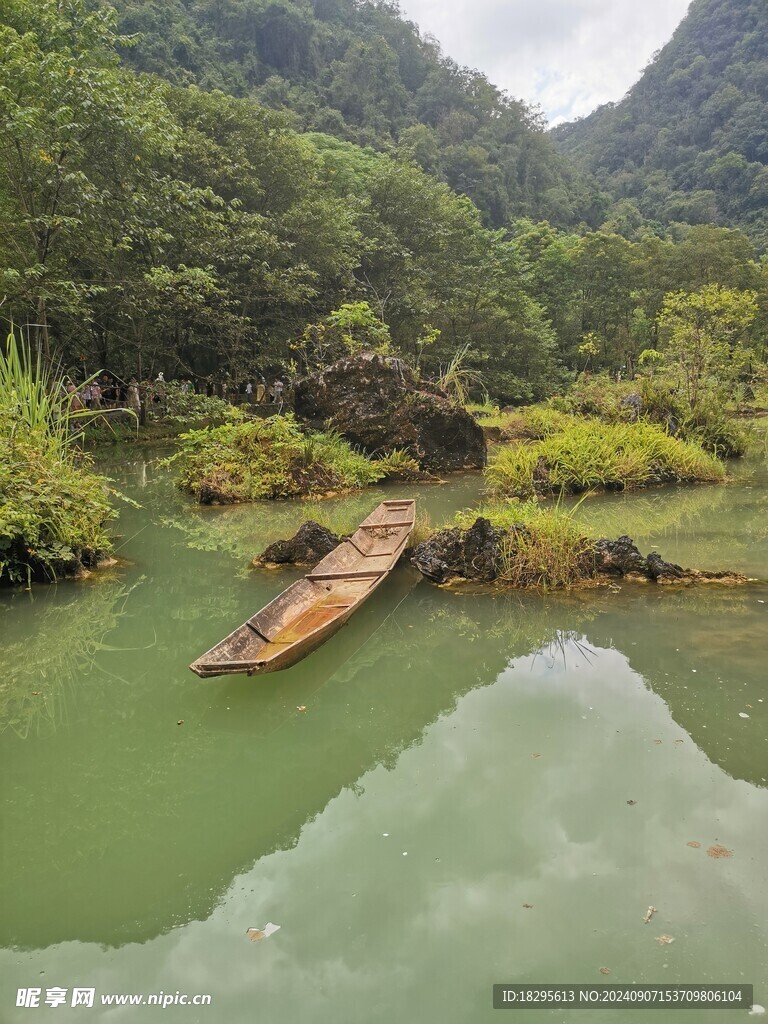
(689, 142)
(357, 70)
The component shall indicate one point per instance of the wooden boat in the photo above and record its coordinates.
(311, 610)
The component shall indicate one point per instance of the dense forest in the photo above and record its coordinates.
(147, 225)
(357, 70)
(689, 142)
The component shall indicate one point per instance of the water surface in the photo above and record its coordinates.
(460, 756)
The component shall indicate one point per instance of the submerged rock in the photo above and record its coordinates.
(307, 546)
(471, 554)
(377, 403)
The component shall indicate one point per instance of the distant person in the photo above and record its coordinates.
(95, 395)
(261, 390)
(249, 390)
(277, 394)
(75, 405)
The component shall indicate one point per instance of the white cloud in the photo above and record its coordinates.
(569, 56)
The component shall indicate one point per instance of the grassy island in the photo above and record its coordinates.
(251, 459)
(590, 454)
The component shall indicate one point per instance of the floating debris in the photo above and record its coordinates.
(631, 802)
(180, 722)
(528, 906)
(535, 755)
(605, 970)
(757, 1010)
(649, 914)
(718, 852)
(664, 940)
(694, 845)
(256, 934)
(743, 714)
(301, 707)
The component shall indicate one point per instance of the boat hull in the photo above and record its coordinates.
(311, 610)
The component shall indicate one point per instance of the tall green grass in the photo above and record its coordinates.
(589, 454)
(541, 546)
(53, 508)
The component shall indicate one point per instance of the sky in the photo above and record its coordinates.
(568, 56)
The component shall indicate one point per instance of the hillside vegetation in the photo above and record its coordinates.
(689, 142)
(357, 70)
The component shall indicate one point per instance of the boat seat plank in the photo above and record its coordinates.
(366, 574)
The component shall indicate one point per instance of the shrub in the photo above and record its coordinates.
(592, 454)
(398, 463)
(249, 459)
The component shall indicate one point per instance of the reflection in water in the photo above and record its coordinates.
(506, 733)
(65, 630)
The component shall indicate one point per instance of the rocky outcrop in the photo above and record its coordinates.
(474, 555)
(311, 543)
(376, 402)
(619, 558)
(471, 554)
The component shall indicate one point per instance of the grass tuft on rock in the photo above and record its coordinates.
(590, 454)
(541, 546)
(251, 459)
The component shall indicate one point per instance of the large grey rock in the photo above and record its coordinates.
(307, 546)
(471, 554)
(377, 403)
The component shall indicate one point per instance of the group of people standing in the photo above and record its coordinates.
(109, 392)
(260, 393)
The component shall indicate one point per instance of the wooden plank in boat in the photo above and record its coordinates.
(345, 593)
(379, 540)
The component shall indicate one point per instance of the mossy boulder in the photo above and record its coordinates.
(377, 403)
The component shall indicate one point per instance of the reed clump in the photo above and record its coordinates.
(590, 454)
(53, 507)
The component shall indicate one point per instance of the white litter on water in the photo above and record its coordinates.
(756, 1011)
(256, 934)
(743, 714)
(405, 853)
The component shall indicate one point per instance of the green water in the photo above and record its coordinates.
(460, 755)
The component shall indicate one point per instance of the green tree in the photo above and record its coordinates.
(704, 334)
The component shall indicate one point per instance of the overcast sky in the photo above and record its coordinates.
(569, 56)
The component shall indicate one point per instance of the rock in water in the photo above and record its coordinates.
(619, 558)
(377, 403)
(311, 543)
(471, 554)
(661, 571)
